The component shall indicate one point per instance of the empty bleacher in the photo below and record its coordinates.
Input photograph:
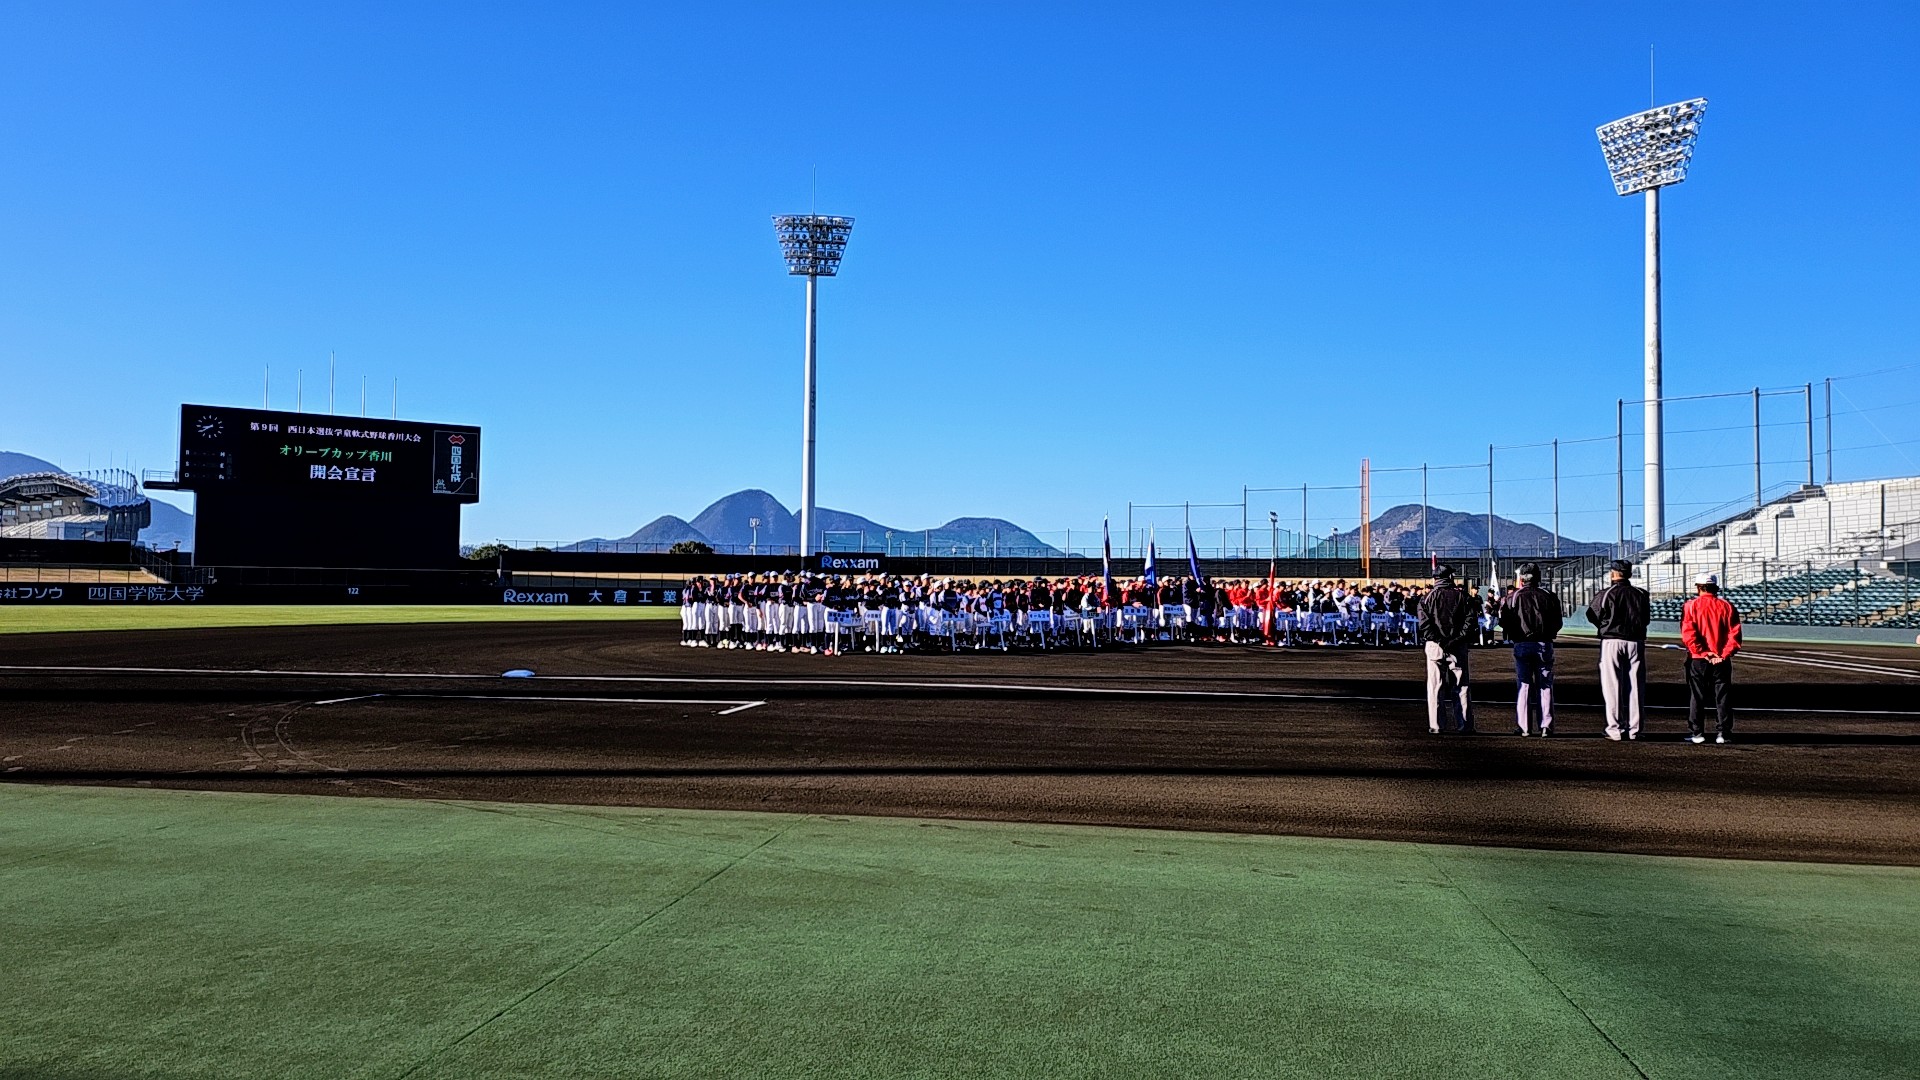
(1817, 556)
(1868, 601)
(79, 575)
(1830, 596)
(1813, 524)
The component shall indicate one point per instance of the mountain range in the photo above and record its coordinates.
(1396, 532)
(727, 525)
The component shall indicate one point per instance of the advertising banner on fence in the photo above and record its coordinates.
(583, 597)
(847, 562)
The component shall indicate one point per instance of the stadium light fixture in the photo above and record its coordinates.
(1646, 152)
(812, 245)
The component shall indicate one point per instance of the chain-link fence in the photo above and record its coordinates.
(1728, 456)
(1855, 593)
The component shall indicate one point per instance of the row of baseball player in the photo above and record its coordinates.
(799, 612)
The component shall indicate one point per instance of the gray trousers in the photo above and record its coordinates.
(1623, 684)
(1447, 691)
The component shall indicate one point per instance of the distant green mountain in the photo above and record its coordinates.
(984, 536)
(170, 525)
(662, 532)
(1396, 532)
(13, 464)
(728, 525)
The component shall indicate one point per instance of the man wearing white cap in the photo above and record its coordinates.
(1710, 629)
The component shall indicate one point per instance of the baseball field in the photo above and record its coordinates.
(655, 861)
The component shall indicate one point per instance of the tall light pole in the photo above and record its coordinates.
(812, 245)
(1646, 152)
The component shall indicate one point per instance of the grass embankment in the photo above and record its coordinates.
(171, 934)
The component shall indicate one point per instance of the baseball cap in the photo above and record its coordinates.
(1443, 574)
(1621, 566)
(1706, 579)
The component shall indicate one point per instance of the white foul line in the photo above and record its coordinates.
(686, 680)
(738, 704)
(1857, 656)
(1834, 665)
(592, 700)
(1251, 695)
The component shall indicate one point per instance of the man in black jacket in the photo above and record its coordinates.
(1619, 614)
(1530, 618)
(1447, 628)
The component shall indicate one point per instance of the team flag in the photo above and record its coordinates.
(1266, 606)
(1152, 575)
(1112, 595)
(1193, 561)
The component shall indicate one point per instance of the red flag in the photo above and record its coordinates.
(1266, 604)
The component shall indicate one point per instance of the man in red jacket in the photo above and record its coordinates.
(1710, 629)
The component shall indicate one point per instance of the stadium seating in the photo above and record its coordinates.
(1812, 525)
(1834, 596)
(78, 575)
(1814, 555)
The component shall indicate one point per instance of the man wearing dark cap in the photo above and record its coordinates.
(1619, 615)
(1530, 617)
(1447, 628)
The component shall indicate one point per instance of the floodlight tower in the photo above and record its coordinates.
(1646, 152)
(812, 245)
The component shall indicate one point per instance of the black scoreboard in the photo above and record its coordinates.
(310, 489)
(330, 455)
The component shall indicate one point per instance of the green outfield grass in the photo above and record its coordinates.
(24, 620)
(164, 934)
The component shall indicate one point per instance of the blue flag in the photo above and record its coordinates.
(1152, 575)
(1193, 561)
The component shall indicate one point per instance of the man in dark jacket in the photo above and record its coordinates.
(1447, 629)
(1619, 614)
(1530, 617)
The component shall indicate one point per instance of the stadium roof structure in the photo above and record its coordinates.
(107, 499)
(1651, 149)
(35, 487)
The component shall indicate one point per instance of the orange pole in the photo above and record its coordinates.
(1366, 517)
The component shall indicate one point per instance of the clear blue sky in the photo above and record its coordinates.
(1103, 252)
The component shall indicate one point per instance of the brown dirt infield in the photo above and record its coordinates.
(1320, 742)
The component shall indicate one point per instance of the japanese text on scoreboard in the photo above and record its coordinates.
(222, 447)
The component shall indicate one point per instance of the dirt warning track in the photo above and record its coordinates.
(1312, 742)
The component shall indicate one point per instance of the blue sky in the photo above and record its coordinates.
(1103, 253)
